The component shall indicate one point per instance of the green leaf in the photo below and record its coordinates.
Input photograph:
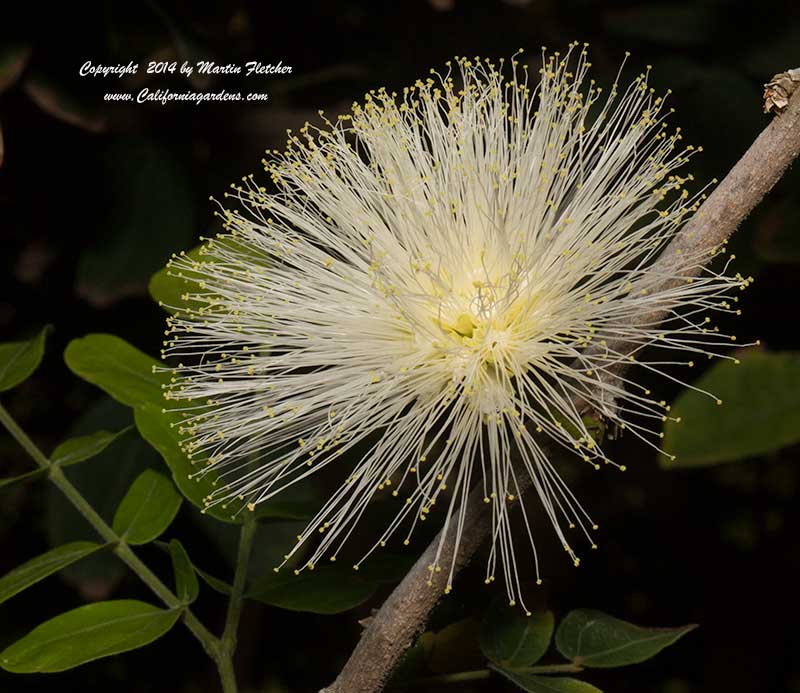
(148, 508)
(154, 425)
(104, 484)
(760, 411)
(82, 448)
(87, 633)
(186, 584)
(214, 583)
(170, 288)
(120, 369)
(594, 639)
(594, 426)
(269, 544)
(287, 505)
(455, 647)
(40, 567)
(23, 478)
(159, 427)
(18, 360)
(325, 590)
(127, 375)
(511, 639)
(546, 684)
(385, 566)
(414, 663)
(173, 289)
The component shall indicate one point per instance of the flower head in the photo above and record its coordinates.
(432, 286)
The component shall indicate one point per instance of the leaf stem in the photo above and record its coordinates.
(228, 642)
(210, 643)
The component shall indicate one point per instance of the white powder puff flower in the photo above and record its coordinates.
(426, 291)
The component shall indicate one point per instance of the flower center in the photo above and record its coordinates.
(463, 326)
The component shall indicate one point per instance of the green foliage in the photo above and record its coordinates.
(159, 428)
(594, 639)
(414, 663)
(18, 360)
(156, 427)
(129, 376)
(328, 589)
(82, 448)
(23, 478)
(87, 633)
(103, 482)
(514, 644)
(760, 411)
(286, 506)
(184, 582)
(186, 585)
(449, 649)
(139, 205)
(385, 566)
(214, 583)
(147, 509)
(511, 639)
(40, 567)
(595, 426)
(546, 684)
(115, 366)
(169, 290)
(454, 647)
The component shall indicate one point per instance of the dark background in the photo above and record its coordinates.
(94, 197)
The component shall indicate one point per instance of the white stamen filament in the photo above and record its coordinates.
(415, 301)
